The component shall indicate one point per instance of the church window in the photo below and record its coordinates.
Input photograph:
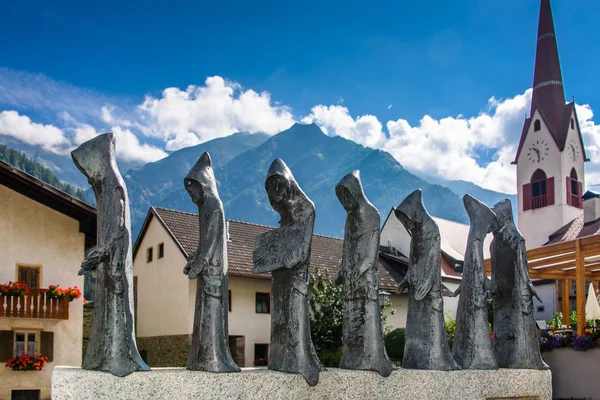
(537, 125)
(574, 190)
(539, 192)
(572, 123)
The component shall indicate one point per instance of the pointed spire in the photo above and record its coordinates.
(548, 92)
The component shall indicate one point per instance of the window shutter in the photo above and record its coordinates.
(22, 274)
(569, 194)
(34, 281)
(6, 345)
(550, 190)
(527, 197)
(580, 193)
(47, 339)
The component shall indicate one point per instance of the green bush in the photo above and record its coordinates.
(331, 357)
(394, 344)
(450, 327)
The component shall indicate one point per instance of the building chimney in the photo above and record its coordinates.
(591, 207)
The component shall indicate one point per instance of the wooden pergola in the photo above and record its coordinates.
(577, 260)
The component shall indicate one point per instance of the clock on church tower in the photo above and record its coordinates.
(551, 155)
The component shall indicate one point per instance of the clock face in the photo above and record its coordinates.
(538, 151)
(573, 150)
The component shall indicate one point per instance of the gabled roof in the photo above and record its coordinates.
(548, 96)
(51, 197)
(326, 251)
(575, 229)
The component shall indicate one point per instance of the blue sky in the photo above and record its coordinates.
(389, 61)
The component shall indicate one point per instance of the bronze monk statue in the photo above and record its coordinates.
(210, 338)
(515, 330)
(111, 344)
(426, 345)
(362, 337)
(472, 348)
(285, 252)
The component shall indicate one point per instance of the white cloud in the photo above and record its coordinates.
(336, 120)
(448, 148)
(217, 109)
(477, 149)
(22, 128)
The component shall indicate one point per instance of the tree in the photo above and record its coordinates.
(326, 312)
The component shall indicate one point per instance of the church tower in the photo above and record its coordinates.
(550, 157)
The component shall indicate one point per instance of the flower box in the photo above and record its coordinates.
(574, 373)
(26, 362)
(14, 289)
(57, 293)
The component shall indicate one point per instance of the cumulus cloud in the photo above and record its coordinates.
(22, 128)
(478, 149)
(219, 108)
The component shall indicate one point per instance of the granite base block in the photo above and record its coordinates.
(261, 383)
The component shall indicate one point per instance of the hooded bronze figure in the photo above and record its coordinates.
(472, 348)
(210, 338)
(426, 345)
(362, 338)
(285, 252)
(111, 344)
(515, 330)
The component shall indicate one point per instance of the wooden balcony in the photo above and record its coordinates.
(34, 305)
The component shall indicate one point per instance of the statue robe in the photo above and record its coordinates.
(472, 348)
(515, 329)
(209, 350)
(111, 344)
(426, 344)
(285, 252)
(362, 338)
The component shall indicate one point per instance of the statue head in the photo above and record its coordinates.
(95, 156)
(279, 184)
(504, 215)
(200, 182)
(349, 192)
(410, 211)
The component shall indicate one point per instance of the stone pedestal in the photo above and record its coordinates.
(261, 383)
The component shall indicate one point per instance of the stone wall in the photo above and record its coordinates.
(164, 351)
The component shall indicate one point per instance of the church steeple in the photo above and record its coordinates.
(548, 91)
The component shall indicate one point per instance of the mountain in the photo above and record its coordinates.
(21, 161)
(317, 161)
(487, 196)
(150, 184)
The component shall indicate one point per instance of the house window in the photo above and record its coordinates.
(537, 125)
(574, 190)
(539, 192)
(263, 303)
(261, 354)
(25, 394)
(572, 123)
(29, 275)
(161, 250)
(149, 254)
(26, 343)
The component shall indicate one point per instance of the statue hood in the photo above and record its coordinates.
(202, 173)
(95, 156)
(357, 201)
(412, 209)
(293, 196)
(503, 211)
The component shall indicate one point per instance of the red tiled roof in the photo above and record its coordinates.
(575, 229)
(326, 251)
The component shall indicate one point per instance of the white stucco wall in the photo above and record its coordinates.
(32, 233)
(164, 293)
(536, 225)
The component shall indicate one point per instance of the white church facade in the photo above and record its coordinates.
(550, 157)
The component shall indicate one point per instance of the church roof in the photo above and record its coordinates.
(548, 90)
